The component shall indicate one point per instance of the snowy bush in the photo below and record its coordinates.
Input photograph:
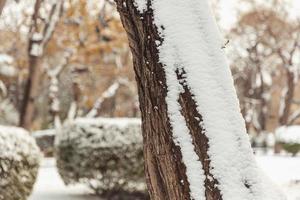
(19, 163)
(289, 138)
(104, 153)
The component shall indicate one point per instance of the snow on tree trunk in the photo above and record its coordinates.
(195, 141)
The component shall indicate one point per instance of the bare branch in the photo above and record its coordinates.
(54, 88)
(55, 15)
(294, 117)
(38, 39)
(108, 93)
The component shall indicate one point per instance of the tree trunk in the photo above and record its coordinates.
(184, 158)
(166, 173)
(36, 47)
(31, 92)
(2, 4)
(288, 98)
(32, 83)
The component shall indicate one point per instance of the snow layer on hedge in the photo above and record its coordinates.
(288, 134)
(98, 128)
(15, 143)
(141, 5)
(191, 42)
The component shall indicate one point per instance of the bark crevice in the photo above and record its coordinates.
(197, 132)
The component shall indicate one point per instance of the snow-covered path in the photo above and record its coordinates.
(285, 171)
(49, 186)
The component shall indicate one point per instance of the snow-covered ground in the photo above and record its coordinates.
(283, 170)
(49, 186)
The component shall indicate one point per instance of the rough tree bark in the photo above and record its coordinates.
(165, 171)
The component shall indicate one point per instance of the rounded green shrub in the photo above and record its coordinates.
(288, 137)
(19, 163)
(292, 148)
(106, 154)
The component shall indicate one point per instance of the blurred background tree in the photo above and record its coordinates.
(264, 52)
(84, 62)
(85, 66)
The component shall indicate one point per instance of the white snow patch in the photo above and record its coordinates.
(4, 58)
(192, 42)
(49, 186)
(120, 122)
(36, 50)
(37, 37)
(16, 143)
(7, 70)
(141, 5)
(195, 174)
(6, 66)
(45, 132)
(284, 171)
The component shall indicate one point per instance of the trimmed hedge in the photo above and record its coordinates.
(106, 154)
(19, 163)
(288, 137)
